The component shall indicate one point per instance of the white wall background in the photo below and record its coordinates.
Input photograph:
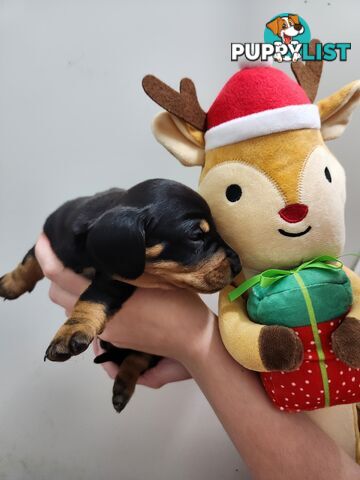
(74, 120)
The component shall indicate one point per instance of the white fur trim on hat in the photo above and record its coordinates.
(293, 117)
(243, 63)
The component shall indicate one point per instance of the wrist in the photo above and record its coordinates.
(197, 351)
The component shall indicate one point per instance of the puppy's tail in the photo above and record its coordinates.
(22, 279)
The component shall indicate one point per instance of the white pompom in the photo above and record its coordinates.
(245, 63)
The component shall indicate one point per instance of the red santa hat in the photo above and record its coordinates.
(258, 100)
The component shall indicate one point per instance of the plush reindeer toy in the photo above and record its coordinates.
(277, 195)
(157, 233)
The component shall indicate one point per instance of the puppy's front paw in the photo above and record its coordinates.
(72, 339)
(280, 348)
(346, 342)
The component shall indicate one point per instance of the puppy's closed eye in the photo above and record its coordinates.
(199, 230)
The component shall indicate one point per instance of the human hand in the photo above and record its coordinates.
(171, 323)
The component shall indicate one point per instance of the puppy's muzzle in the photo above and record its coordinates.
(234, 261)
(224, 272)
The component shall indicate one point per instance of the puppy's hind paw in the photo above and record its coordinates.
(11, 289)
(22, 279)
(121, 395)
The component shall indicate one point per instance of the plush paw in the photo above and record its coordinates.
(280, 349)
(346, 342)
(69, 342)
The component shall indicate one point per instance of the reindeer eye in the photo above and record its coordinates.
(328, 175)
(233, 192)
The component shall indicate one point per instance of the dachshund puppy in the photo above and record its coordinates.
(157, 232)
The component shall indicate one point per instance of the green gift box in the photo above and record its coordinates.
(316, 291)
(282, 302)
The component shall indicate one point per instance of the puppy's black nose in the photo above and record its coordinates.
(298, 27)
(235, 263)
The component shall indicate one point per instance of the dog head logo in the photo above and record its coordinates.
(286, 27)
(289, 30)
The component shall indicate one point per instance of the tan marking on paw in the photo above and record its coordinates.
(87, 320)
(22, 279)
(125, 382)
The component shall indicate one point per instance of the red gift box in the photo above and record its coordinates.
(317, 383)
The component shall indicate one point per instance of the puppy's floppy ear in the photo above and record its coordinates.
(274, 25)
(116, 242)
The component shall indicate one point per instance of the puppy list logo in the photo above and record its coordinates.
(287, 39)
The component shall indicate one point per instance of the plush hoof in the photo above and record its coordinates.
(64, 347)
(346, 342)
(280, 349)
(121, 395)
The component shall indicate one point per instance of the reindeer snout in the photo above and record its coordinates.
(294, 213)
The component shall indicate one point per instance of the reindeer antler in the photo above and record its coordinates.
(308, 74)
(183, 105)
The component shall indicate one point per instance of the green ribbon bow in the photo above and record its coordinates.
(268, 277)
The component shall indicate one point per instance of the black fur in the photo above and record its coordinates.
(109, 233)
(118, 355)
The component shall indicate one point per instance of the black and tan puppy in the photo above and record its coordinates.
(158, 231)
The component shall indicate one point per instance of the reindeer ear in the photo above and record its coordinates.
(185, 142)
(116, 242)
(180, 129)
(336, 110)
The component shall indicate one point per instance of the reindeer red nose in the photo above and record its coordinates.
(294, 213)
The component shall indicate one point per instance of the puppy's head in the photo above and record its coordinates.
(166, 231)
(183, 245)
